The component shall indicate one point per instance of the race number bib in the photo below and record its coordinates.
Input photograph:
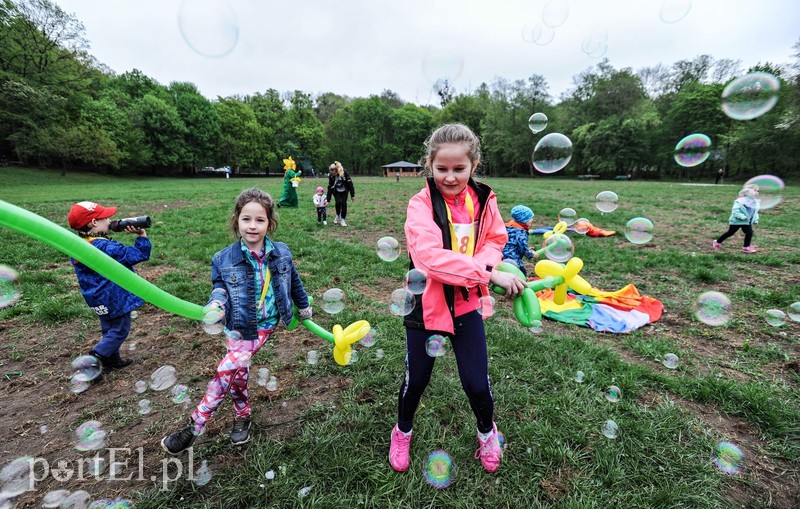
(463, 232)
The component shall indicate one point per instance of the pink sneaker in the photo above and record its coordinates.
(399, 456)
(716, 245)
(749, 249)
(490, 452)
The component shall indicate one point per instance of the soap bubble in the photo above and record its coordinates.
(558, 247)
(613, 393)
(555, 13)
(402, 302)
(180, 394)
(537, 122)
(775, 317)
(639, 230)
(750, 96)
(209, 27)
(770, 190)
(728, 458)
(370, 338)
(15, 478)
(87, 368)
(140, 386)
(595, 44)
(538, 33)
(416, 280)
(77, 385)
(76, 500)
(610, 429)
(436, 346)
(54, 498)
(333, 301)
(673, 11)
(9, 286)
(91, 436)
(388, 249)
(582, 225)
(144, 406)
(606, 201)
(794, 312)
(670, 361)
(567, 215)
(579, 377)
(536, 327)
(693, 150)
(552, 153)
(163, 378)
(713, 308)
(439, 469)
(486, 306)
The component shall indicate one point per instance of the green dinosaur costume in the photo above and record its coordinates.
(289, 196)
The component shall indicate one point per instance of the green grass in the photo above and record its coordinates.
(556, 455)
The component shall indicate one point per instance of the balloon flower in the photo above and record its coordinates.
(566, 275)
(342, 338)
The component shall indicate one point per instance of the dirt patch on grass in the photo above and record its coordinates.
(42, 413)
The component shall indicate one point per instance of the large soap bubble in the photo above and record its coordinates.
(552, 153)
(750, 96)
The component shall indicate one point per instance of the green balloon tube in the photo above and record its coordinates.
(39, 228)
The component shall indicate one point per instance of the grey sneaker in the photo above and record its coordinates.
(180, 439)
(240, 433)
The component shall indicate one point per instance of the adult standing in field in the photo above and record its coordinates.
(339, 186)
(720, 175)
(290, 184)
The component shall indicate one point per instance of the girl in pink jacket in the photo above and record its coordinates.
(455, 234)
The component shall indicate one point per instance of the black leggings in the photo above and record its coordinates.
(746, 228)
(341, 203)
(469, 346)
(322, 214)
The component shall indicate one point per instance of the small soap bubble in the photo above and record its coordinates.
(163, 378)
(15, 478)
(131, 346)
(582, 226)
(144, 406)
(388, 249)
(303, 492)
(555, 13)
(333, 301)
(613, 393)
(134, 314)
(54, 498)
(370, 338)
(775, 317)
(536, 326)
(595, 44)
(416, 280)
(90, 436)
(606, 201)
(234, 335)
(180, 393)
(728, 457)
(579, 376)
(263, 377)
(486, 306)
(212, 314)
(96, 466)
(402, 302)
(713, 308)
(673, 11)
(794, 312)
(119, 503)
(439, 469)
(552, 153)
(379, 353)
(770, 190)
(558, 247)
(9, 286)
(203, 474)
(692, 150)
(213, 328)
(353, 357)
(537, 122)
(270, 475)
(538, 33)
(750, 96)
(272, 385)
(43, 429)
(209, 27)
(78, 385)
(140, 386)
(87, 368)
(639, 231)
(436, 346)
(567, 215)
(610, 429)
(76, 500)
(670, 361)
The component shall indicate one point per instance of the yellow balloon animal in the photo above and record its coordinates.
(567, 273)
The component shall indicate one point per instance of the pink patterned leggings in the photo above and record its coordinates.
(232, 374)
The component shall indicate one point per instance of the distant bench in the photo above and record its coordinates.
(588, 177)
(621, 177)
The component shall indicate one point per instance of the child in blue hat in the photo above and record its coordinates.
(517, 246)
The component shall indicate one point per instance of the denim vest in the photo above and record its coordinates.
(231, 271)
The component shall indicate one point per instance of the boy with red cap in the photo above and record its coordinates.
(112, 303)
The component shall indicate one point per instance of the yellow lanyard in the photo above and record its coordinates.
(467, 245)
(267, 279)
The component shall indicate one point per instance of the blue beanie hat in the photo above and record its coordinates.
(521, 214)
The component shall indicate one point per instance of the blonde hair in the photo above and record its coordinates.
(451, 133)
(260, 197)
(749, 191)
(337, 167)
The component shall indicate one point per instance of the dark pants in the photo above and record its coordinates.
(746, 228)
(469, 346)
(115, 332)
(341, 203)
(322, 214)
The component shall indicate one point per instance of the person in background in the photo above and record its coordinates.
(517, 228)
(339, 186)
(321, 203)
(744, 214)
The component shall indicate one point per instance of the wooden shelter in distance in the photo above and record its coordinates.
(404, 168)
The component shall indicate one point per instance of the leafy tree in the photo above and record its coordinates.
(202, 123)
(240, 143)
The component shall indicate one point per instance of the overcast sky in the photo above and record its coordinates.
(361, 47)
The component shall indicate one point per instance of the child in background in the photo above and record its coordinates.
(112, 303)
(744, 214)
(455, 234)
(517, 228)
(255, 284)
(321, 202)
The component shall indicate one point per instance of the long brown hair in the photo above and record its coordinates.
(260, 197)
(451, 133)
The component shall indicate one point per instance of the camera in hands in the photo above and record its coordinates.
(137, 222)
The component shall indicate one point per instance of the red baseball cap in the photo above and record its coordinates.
(82, 213)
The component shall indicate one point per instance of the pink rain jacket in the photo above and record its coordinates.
(428, 242)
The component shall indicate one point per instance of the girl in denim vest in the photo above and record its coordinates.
(255, 284)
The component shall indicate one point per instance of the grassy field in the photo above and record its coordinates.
(328, 427)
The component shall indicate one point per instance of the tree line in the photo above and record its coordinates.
(61, 108)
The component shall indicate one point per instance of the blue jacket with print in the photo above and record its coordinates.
(231, 271)
(517, 246)
(105, 297)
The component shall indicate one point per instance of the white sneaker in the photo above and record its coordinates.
(336, 221)
(343, 223)
(325, 223)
